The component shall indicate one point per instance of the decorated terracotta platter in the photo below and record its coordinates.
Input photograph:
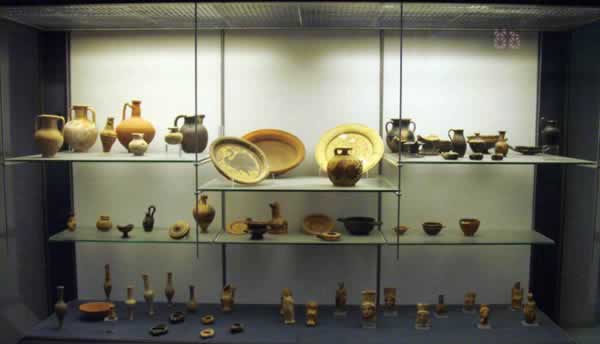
(284, 150)
(315, 224)
(365, 143)
(239, 160)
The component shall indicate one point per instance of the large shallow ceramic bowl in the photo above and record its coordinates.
(284, 151)
(315, 224)
(239, 160)
(359, 225)
(488, 142)
(366, 145)
(95, 311)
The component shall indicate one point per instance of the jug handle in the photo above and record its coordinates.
(151, 210)
(93, 111)
(36, 124)
(69, 117)
(414, 126)
(125, 109)
(387, 130)
(177, 119)
(61, 119)
(450, 130)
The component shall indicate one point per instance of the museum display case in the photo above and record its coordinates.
(299, 171)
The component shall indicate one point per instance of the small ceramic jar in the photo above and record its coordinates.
(104, 223)
(138, 146)
(174, 136)
(343, 169)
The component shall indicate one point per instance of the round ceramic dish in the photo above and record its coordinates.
(315, 224)
(284, 151)
(179, 230)
(239, 227)
(95, 311)
(365, 143)
(239, 160)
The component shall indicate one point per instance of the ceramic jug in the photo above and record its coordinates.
(148, 222)
(399, 132)
(138, 146)
(60, 308)
(501, 146)
(277, 225)
(173, 137)
(343, 169)
(459, 143)
(135, 124)
(108, 135)
(47, 136)
(80, 132)
(204, 213)
(195, 135)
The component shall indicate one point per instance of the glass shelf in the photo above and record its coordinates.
(511, 159)
(302, 184)
(454, 236)
(114, 157)
(298, 238)
(137, 236)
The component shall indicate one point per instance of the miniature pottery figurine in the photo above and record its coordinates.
(169, 290)
(104, 223)
(236, 328)
(112, 315)
(423, 322)
(195, 135)
(159, 330)
(501, 146)
(343, 169)
(368, 309)
(60, 308)
(441, 310)
(192, 305)
(174, 136)
(148, 222)
(341, 296)
(551, 138)
(125, 229)
(529, 311)
(130, 303)
(208, 319)
(207, 333)
(107, 282)
(469, 226)
(227, 298)
(287, 307)
(469, 305)
(484, 317)
(176, 317)
(137, 145)
(135, 124)
(516, 302)
(277, 225)
(108, 135)
(399, 133)
(148, 294)
(459, 143)
(47, 136)
(312, 312)
(389, 301)
(71, 223)
(179, 230)
(80, 133)
(204, 213)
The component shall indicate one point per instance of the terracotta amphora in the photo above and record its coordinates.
(47, 136)
(108, 135)
(204, 213)
(80, 132)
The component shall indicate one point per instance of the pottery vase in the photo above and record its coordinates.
(204, 213)
(107, 282)
(80, 132)
(138, 146)
(192, 304)
(277, 225)
(174, 136)
(195, 135)
(501, 146)
(343, 169)
(169, 290)
(104, 223)
(108, 135)
(148, 294)
(148, 222)
(399, 132)
(47, 136)
(60, 308)
(135, 124)
(551, 137)
(130, 303)
(227, 298)
(459, 143)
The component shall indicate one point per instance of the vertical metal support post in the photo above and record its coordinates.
(196, 191)
(399, 192)
(223, 193)
(380, 166)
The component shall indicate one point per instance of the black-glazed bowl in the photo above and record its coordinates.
(359, 225)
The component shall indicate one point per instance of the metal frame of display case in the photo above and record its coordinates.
(55, 48)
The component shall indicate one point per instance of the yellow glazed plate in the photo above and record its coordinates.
(239, 160)
(284, 150)
(365, 143)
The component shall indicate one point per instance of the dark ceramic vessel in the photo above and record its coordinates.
(195, 135)
(359, 225)
(432, 228)
(148, 222)
(469, 226)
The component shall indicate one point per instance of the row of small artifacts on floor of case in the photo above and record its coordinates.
(106, 310)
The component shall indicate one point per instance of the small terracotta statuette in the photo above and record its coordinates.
(368, 308)
(529, 311)
(130, 303)
(277, 225)
(423, 321)
(71, 223)
(341, 296)
(517, 297)
(484, 317)
(60, 308)
(227, 298)
(469, 305)
(107, 282)
(441, 310)
(148, 294)
(287, 307)
(169, 290)
(389, 299)
(192, 305)
(312, 311)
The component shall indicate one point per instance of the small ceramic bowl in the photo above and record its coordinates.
(359, 225)
(469, 226)
(400, 229)
(450, 155)
(497, 157)
(95, 311)
(432, 228)
(476, 156)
